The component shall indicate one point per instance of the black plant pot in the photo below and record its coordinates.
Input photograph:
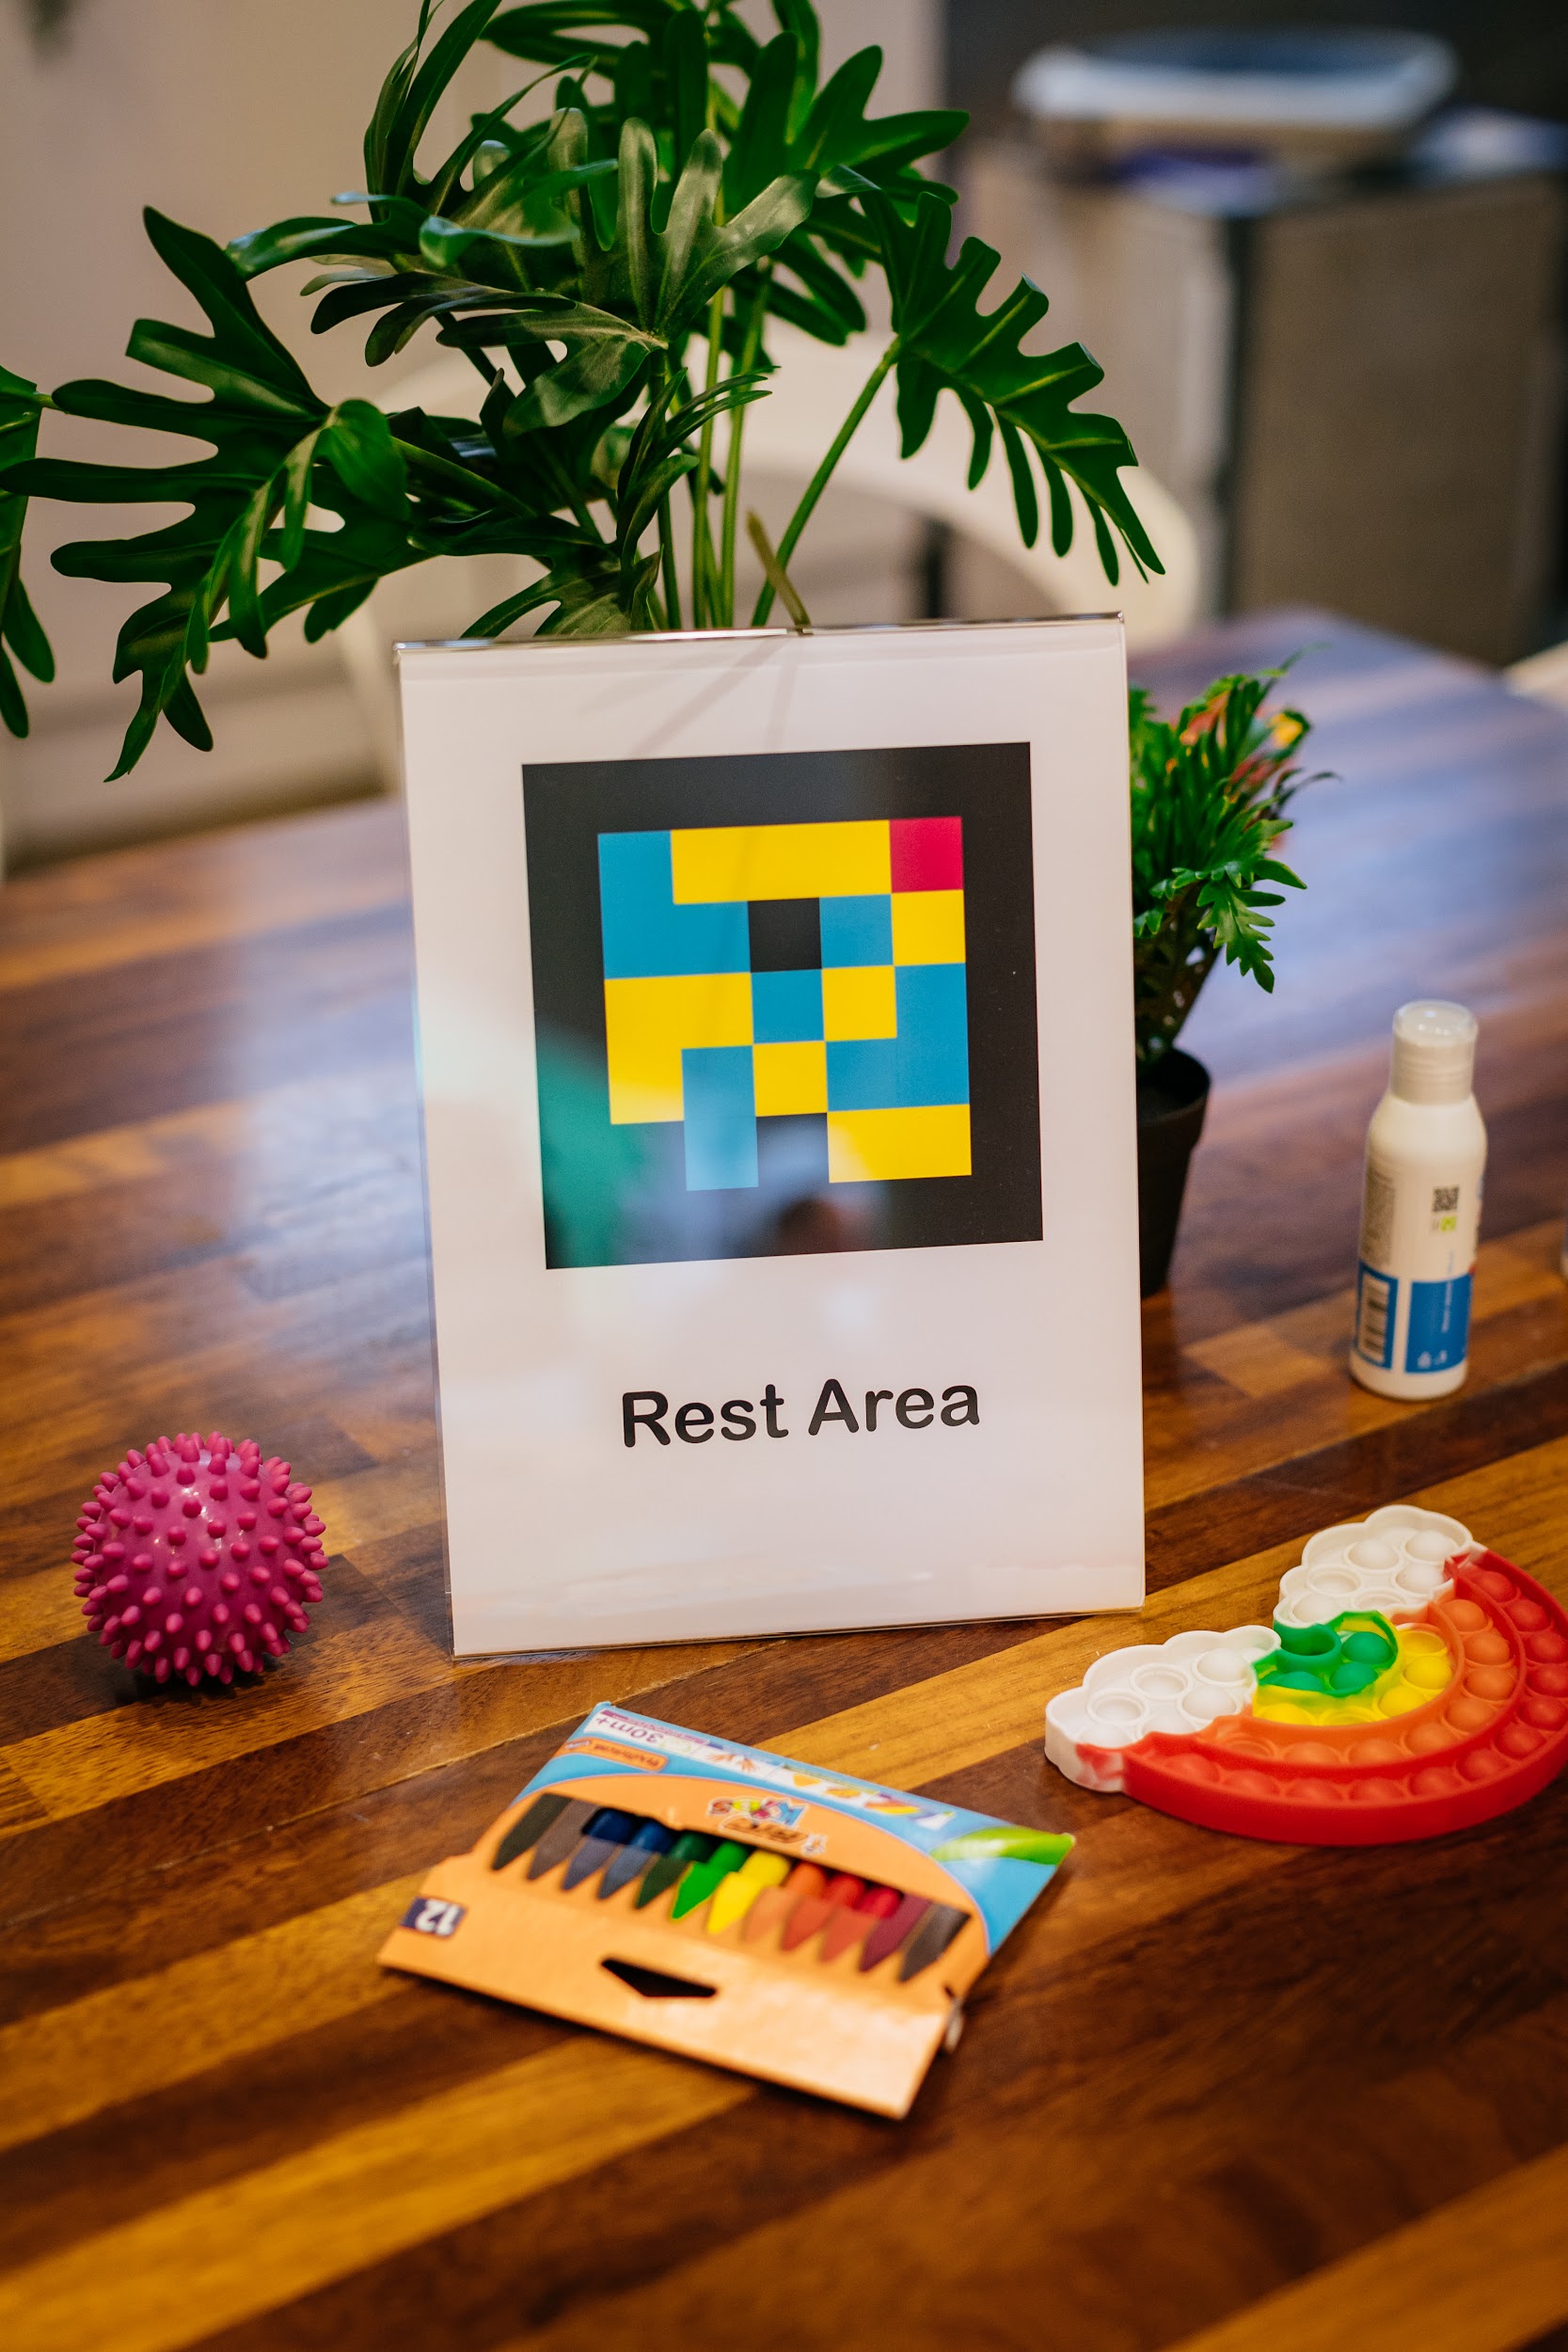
(1172, 1100)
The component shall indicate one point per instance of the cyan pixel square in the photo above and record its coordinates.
(786, 1008)
(856, 931)
(721, 1118)
(646, 936)
(927, 1062)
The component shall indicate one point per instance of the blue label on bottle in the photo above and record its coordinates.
(1376, 1298)
(1439, 1325)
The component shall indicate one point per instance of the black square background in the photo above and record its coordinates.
(787, 934)
(567, 804)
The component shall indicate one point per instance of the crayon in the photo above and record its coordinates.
(776, 1902)
(889, 1933)
(734, 1899)
(608, 1831)
(562, 1836)
(930, 1939)
(848, 1925)
(703, 1877)
(651, 1839)
(527, 1829)
(815, 1911)
(693, 1845)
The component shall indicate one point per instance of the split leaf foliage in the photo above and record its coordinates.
(1208, 799)
(682, 177)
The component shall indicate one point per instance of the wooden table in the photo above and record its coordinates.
(1212, 2094)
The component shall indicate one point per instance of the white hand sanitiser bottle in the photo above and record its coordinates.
(1420, 1214)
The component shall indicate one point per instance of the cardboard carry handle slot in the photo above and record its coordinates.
(655, 1986)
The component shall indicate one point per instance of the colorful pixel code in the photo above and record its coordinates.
(785, 1003)
(765, 971)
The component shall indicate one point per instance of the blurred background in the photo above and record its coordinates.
(1319, 250)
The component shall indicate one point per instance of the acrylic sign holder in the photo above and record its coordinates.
(1412, 1683)
(763, 1286)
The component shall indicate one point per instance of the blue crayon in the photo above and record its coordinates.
(606, 1833)
(651, 1839)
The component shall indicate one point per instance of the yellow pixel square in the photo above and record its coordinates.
(860, 1001)
(722, 864)
(790, 1078)
(927, 927)
(867, 1147)
(647, 1025)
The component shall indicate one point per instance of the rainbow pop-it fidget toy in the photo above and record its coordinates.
(1412, 1683)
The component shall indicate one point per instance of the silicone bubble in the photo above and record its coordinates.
(1412, 1683)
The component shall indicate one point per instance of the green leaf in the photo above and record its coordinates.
(638, 176)
(357, 441)
(596, 376)
(20, 405)
(799, 18)
(778, 578)
(760, 149)
(276, 449)
(412, 92)
(946, 342)
(241, 356)
(688, 176)
(685, 74)
(700, 256)
(307, 239)
(692, 208)
(1209, 796)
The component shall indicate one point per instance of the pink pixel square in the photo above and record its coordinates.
(928, 852)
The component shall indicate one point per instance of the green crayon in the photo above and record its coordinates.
(693, 1845)
(700, 1880)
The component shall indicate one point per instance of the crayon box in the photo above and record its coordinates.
(725, 1902)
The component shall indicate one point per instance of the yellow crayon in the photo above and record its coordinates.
(734, 1897)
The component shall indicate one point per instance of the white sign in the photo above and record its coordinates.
(775, 1016)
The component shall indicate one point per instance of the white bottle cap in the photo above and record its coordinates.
(1434, 1052)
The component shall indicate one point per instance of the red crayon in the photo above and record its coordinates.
(889, 1933)
(848, 1926)
(841, 1893)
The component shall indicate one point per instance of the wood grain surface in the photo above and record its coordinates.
(1214, 2094)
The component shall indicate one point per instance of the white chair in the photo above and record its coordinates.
(786, 435)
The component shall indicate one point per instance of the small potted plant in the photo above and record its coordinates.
(1208, 799)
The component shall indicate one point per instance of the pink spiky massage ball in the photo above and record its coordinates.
(192, 1558)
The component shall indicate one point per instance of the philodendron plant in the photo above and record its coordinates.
(1208, 799)
(609, 256)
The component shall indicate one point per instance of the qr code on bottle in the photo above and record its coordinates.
(1445, 1199)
